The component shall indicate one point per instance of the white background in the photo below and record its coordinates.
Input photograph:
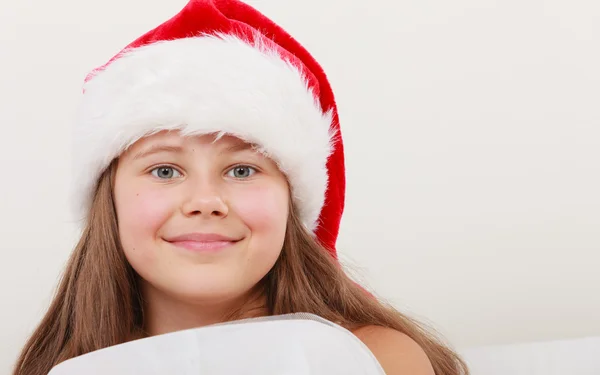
(473, 150)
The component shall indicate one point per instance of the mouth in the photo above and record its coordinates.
(201, 242)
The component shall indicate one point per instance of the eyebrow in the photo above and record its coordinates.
(238, 147)
(156, 149)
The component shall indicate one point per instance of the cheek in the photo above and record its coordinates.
(263, 209)
(141, 213)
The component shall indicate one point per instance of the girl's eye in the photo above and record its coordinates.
(241, 171)
(165, 172)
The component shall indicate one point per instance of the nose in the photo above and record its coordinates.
(206, 201)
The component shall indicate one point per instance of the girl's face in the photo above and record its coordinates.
(200, 220)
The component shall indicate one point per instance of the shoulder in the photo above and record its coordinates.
(397, 353)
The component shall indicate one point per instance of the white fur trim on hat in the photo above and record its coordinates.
(201, 85)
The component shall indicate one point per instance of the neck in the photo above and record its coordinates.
(164, 313)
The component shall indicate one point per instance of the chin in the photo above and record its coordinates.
(208, 288)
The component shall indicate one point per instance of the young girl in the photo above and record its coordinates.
(210, 180)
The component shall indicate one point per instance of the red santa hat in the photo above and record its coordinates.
(219, 66)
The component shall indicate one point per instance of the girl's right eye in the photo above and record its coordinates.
(165, 172)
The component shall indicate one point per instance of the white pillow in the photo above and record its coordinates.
(565, 357)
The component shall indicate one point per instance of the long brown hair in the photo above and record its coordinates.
(98, 302)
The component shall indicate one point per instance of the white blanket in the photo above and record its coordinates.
(296, 344)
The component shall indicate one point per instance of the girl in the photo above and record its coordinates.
(210, 180)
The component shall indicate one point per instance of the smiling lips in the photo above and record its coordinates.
(202, 242)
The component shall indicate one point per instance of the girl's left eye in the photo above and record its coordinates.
(165, 172)
(241, 171)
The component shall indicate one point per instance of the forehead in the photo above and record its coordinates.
(176, 139)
